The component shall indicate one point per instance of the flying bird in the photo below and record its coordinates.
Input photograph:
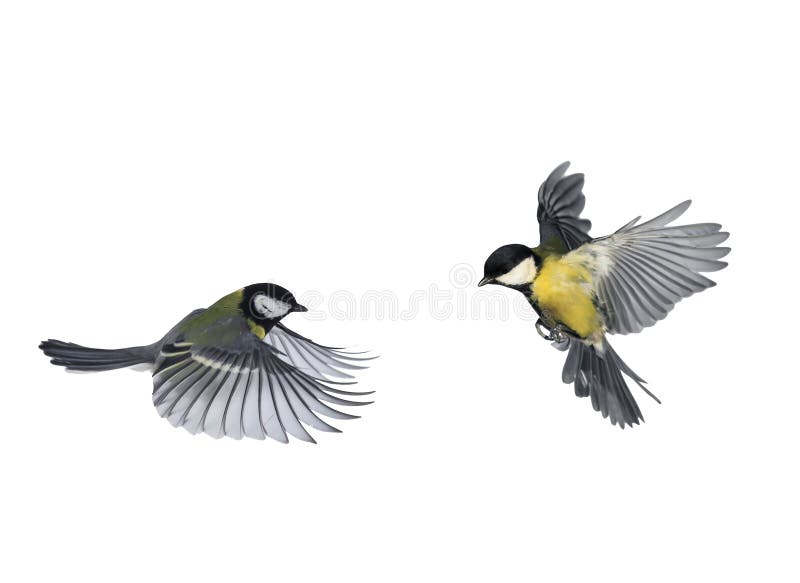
(584, 289)
(234, 369)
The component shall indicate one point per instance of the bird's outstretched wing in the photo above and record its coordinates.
(641, 271)
(227, 382)
(312, 358)
(561, 202)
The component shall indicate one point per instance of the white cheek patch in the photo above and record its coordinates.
(520, 275)
(268, 307)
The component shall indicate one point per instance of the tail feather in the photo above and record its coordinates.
(598, 374)
(81, 358)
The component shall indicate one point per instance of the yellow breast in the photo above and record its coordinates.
(563, 291)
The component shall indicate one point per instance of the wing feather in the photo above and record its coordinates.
(268, 404)
(561, 202)
(231, 424)
(302, 410)
(286, 413)
(310, 399)
(252, 388)
(304, 358)
(302, 353)
(250, 415)
(213, 418)
(642, 270)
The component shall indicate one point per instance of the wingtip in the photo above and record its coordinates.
(352, 393)
(332, 382)
(359, 403)
(347, 352)
(348, 356)
(555, 175)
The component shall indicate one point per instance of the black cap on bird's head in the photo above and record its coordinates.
(268, 301)
(510, 265)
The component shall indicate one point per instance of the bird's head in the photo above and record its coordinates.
(265, 304)
(512, 265)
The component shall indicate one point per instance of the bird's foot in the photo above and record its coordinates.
(558, 334)
(555, 334)
(540, 326)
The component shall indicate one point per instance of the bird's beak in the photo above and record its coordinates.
(485, 280)
(299, 308)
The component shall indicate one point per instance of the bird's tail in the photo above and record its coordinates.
(76, 357)
(597, 373)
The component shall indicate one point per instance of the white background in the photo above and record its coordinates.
(158, 155)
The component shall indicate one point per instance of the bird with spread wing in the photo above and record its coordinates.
(584, 289)
(234, 369)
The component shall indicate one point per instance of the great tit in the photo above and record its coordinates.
(234, 369)
(584, 288)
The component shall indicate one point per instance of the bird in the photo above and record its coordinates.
(585, 289)
(234, 369)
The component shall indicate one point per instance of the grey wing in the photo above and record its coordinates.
(642, 271)
(561, 202)
(242, 389)
(312, 358)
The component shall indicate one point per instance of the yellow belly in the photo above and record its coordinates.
(563, 291)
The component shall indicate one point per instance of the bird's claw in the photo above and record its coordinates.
(555, 334)
(539, 326)
(558, 334)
